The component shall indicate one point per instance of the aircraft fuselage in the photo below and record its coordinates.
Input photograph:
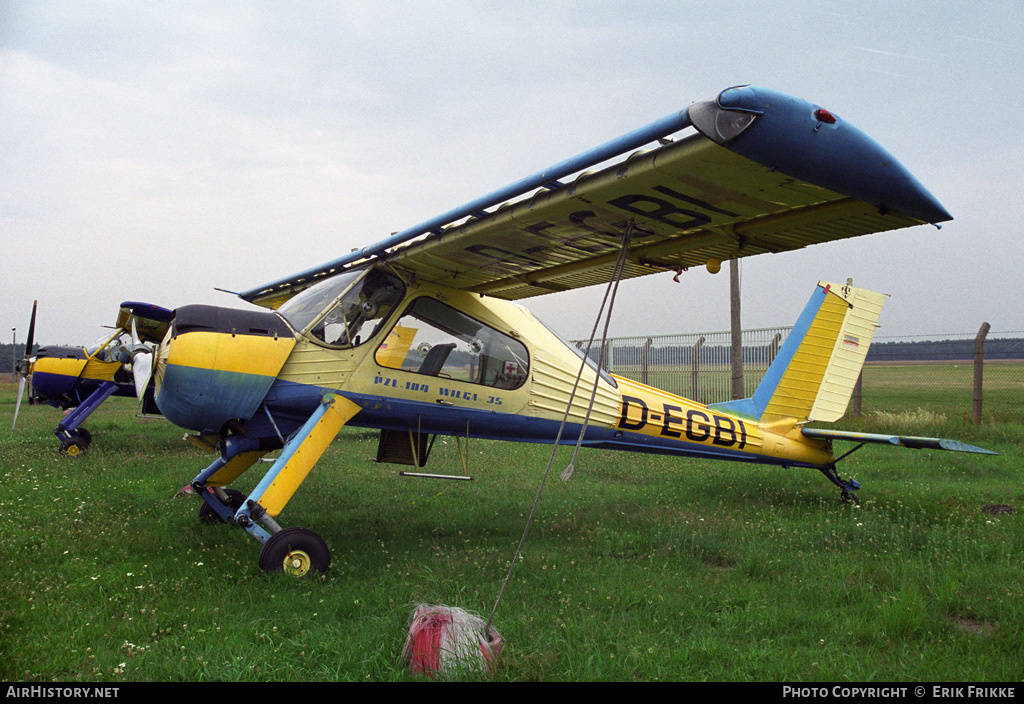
(500, 374)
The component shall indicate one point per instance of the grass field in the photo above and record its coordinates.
(946, 389)
(638, 568)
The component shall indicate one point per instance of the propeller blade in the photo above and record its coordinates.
(17, 407)
(142, 369)
(31, 331)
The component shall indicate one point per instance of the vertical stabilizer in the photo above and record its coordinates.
(814, 374)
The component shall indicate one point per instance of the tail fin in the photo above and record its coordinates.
(813, 375)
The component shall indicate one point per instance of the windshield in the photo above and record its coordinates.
(300, 310)
(345, 310)
(106, 348)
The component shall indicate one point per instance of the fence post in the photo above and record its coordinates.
(979, 364)
(643, 362)
(695, 364)
(737, 332)
(774, 348)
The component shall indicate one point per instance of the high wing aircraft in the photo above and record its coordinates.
(419, 335)
(82, 378)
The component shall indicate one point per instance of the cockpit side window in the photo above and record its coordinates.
(434, 339)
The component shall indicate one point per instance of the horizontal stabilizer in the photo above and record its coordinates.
(918, 443)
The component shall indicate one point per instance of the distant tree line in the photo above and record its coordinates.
(8, 356)
(995, 348)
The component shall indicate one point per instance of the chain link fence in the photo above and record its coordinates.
(697, 366)
(942, 375)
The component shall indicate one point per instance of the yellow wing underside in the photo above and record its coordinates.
(688, 202)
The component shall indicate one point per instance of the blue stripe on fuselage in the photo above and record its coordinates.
(291, 403)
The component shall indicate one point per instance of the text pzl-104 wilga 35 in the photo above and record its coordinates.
(420, 334)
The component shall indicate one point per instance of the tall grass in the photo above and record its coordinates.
(638, 568)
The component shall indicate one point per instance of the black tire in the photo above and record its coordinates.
(295, 551)
(84, 434)
(73, 447)
(209, 517)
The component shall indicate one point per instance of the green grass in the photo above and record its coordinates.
(638, 568)
(947, 389)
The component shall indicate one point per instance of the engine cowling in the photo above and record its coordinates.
(217, 364)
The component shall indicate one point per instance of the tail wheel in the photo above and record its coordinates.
(73, 446)
(207, 516)
(296, 552)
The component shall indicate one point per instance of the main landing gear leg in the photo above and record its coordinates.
(295, 551)
(75, 440)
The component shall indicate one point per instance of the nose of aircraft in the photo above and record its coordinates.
(217, 364)
(55, 370)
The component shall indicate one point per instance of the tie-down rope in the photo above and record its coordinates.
(609, 300)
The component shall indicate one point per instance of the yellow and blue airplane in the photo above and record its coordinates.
(82, 378)
(421, 334)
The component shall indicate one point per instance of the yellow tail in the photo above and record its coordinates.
(814, 374)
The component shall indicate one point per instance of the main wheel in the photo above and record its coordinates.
(85, 435)
(207, 516)
(73, 446)
(296, 552)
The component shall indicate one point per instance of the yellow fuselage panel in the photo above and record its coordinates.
(551, 385)
(99, 370)
(656, 413)
(55, 365)
(222, 352)
(314, 365)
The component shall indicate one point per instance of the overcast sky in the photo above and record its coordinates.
(154, 151)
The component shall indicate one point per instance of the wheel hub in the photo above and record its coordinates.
(297, 563)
